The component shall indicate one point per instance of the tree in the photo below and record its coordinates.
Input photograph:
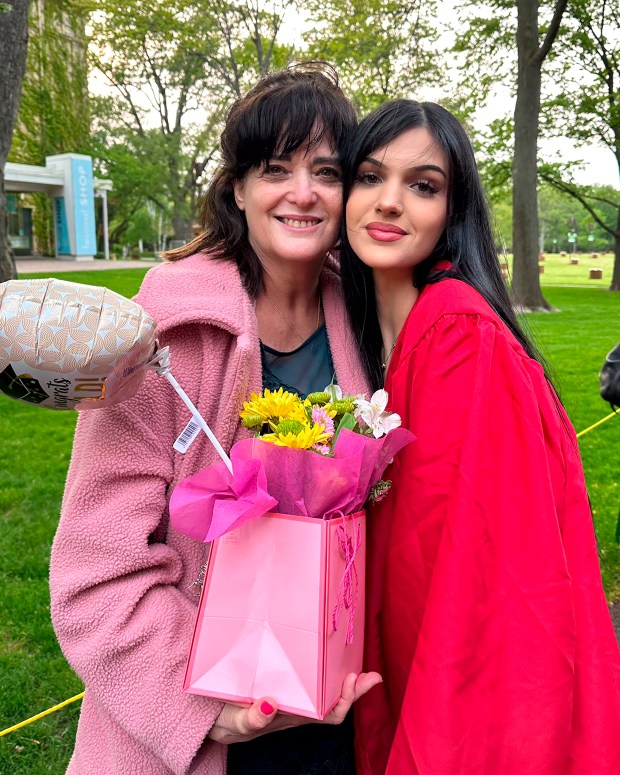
(54, 114)
(13, 49)
(487, 43)
(588, 107)
(556, 209)
(175, 68)
(531, 55)
(383, 49)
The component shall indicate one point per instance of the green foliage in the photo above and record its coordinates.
(183, 62)
(587, 108)
(486, 45)
(382, 48)
(53, 116)
(555, 208)
(137, 165)
(591, 77)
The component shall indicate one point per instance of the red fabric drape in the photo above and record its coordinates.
(485, 609)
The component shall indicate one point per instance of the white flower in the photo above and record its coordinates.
(374, 415)
(335, 392)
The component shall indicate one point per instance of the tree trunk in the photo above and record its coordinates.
(526, 291)
(615, 280)
(13, 45)
(181, 226)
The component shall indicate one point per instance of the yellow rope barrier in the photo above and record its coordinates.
(40, 715)
(79, 696)
(596, 424)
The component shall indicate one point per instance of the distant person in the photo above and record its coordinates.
(486, 613)
(609, 377)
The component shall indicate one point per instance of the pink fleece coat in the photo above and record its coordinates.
(123, 605)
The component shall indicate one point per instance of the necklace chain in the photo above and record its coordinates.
(384, 365)
(386, 360)
(288, 322)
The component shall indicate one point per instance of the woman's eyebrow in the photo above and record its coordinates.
(316, 160)
(415, 168)
(327, 160)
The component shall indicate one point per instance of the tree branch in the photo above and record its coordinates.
(552, 32)
(582, 198)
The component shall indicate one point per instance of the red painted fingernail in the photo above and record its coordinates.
(266, 708)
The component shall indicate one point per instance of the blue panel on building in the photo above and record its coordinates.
(84, 206)
(62, 228)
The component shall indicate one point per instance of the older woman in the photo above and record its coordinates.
(251, 302)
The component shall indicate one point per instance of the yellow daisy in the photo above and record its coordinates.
(273, 404)
(307, 437)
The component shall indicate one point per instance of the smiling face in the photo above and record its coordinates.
(293, 205)
(397, 208)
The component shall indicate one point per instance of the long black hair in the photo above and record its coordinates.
(466, 242)
(285, 109)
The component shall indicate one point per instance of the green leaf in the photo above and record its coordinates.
(347, 421)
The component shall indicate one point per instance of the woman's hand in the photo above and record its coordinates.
(238, 723)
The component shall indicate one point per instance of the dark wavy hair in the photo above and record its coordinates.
(285, 109)
(466, 242)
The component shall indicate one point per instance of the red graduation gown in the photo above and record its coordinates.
(485, 610)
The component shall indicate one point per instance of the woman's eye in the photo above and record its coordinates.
(330, 173)
(368, 178)
(273, 169)
(425, 187)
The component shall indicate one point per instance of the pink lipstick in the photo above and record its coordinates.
(385, 232)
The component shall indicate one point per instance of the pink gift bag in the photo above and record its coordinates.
(282, 613)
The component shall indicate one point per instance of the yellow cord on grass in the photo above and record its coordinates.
(596, 424)
(40, 715)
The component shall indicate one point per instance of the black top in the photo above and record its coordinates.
(307, 369)
(312, 749)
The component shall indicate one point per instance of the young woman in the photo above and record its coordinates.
(253, 301)
(486, 613)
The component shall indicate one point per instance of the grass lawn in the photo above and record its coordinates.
(36, 446)
(558, 269)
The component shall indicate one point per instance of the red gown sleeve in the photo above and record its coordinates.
(488, 616)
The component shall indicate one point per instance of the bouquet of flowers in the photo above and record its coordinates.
(288, 552)
(310, 457)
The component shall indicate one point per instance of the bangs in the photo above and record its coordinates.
(280, 124)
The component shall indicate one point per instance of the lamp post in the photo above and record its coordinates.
(572, 233)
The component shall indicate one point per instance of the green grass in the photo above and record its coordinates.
(575, 341)
(558, 270)
(36, 448)
(123, 281)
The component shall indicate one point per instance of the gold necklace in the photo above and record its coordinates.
(288, 322)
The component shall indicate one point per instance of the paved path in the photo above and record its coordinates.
(40, 265)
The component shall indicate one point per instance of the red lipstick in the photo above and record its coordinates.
(385, 232)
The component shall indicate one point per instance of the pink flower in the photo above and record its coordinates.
(322, 449)
(320, 417)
